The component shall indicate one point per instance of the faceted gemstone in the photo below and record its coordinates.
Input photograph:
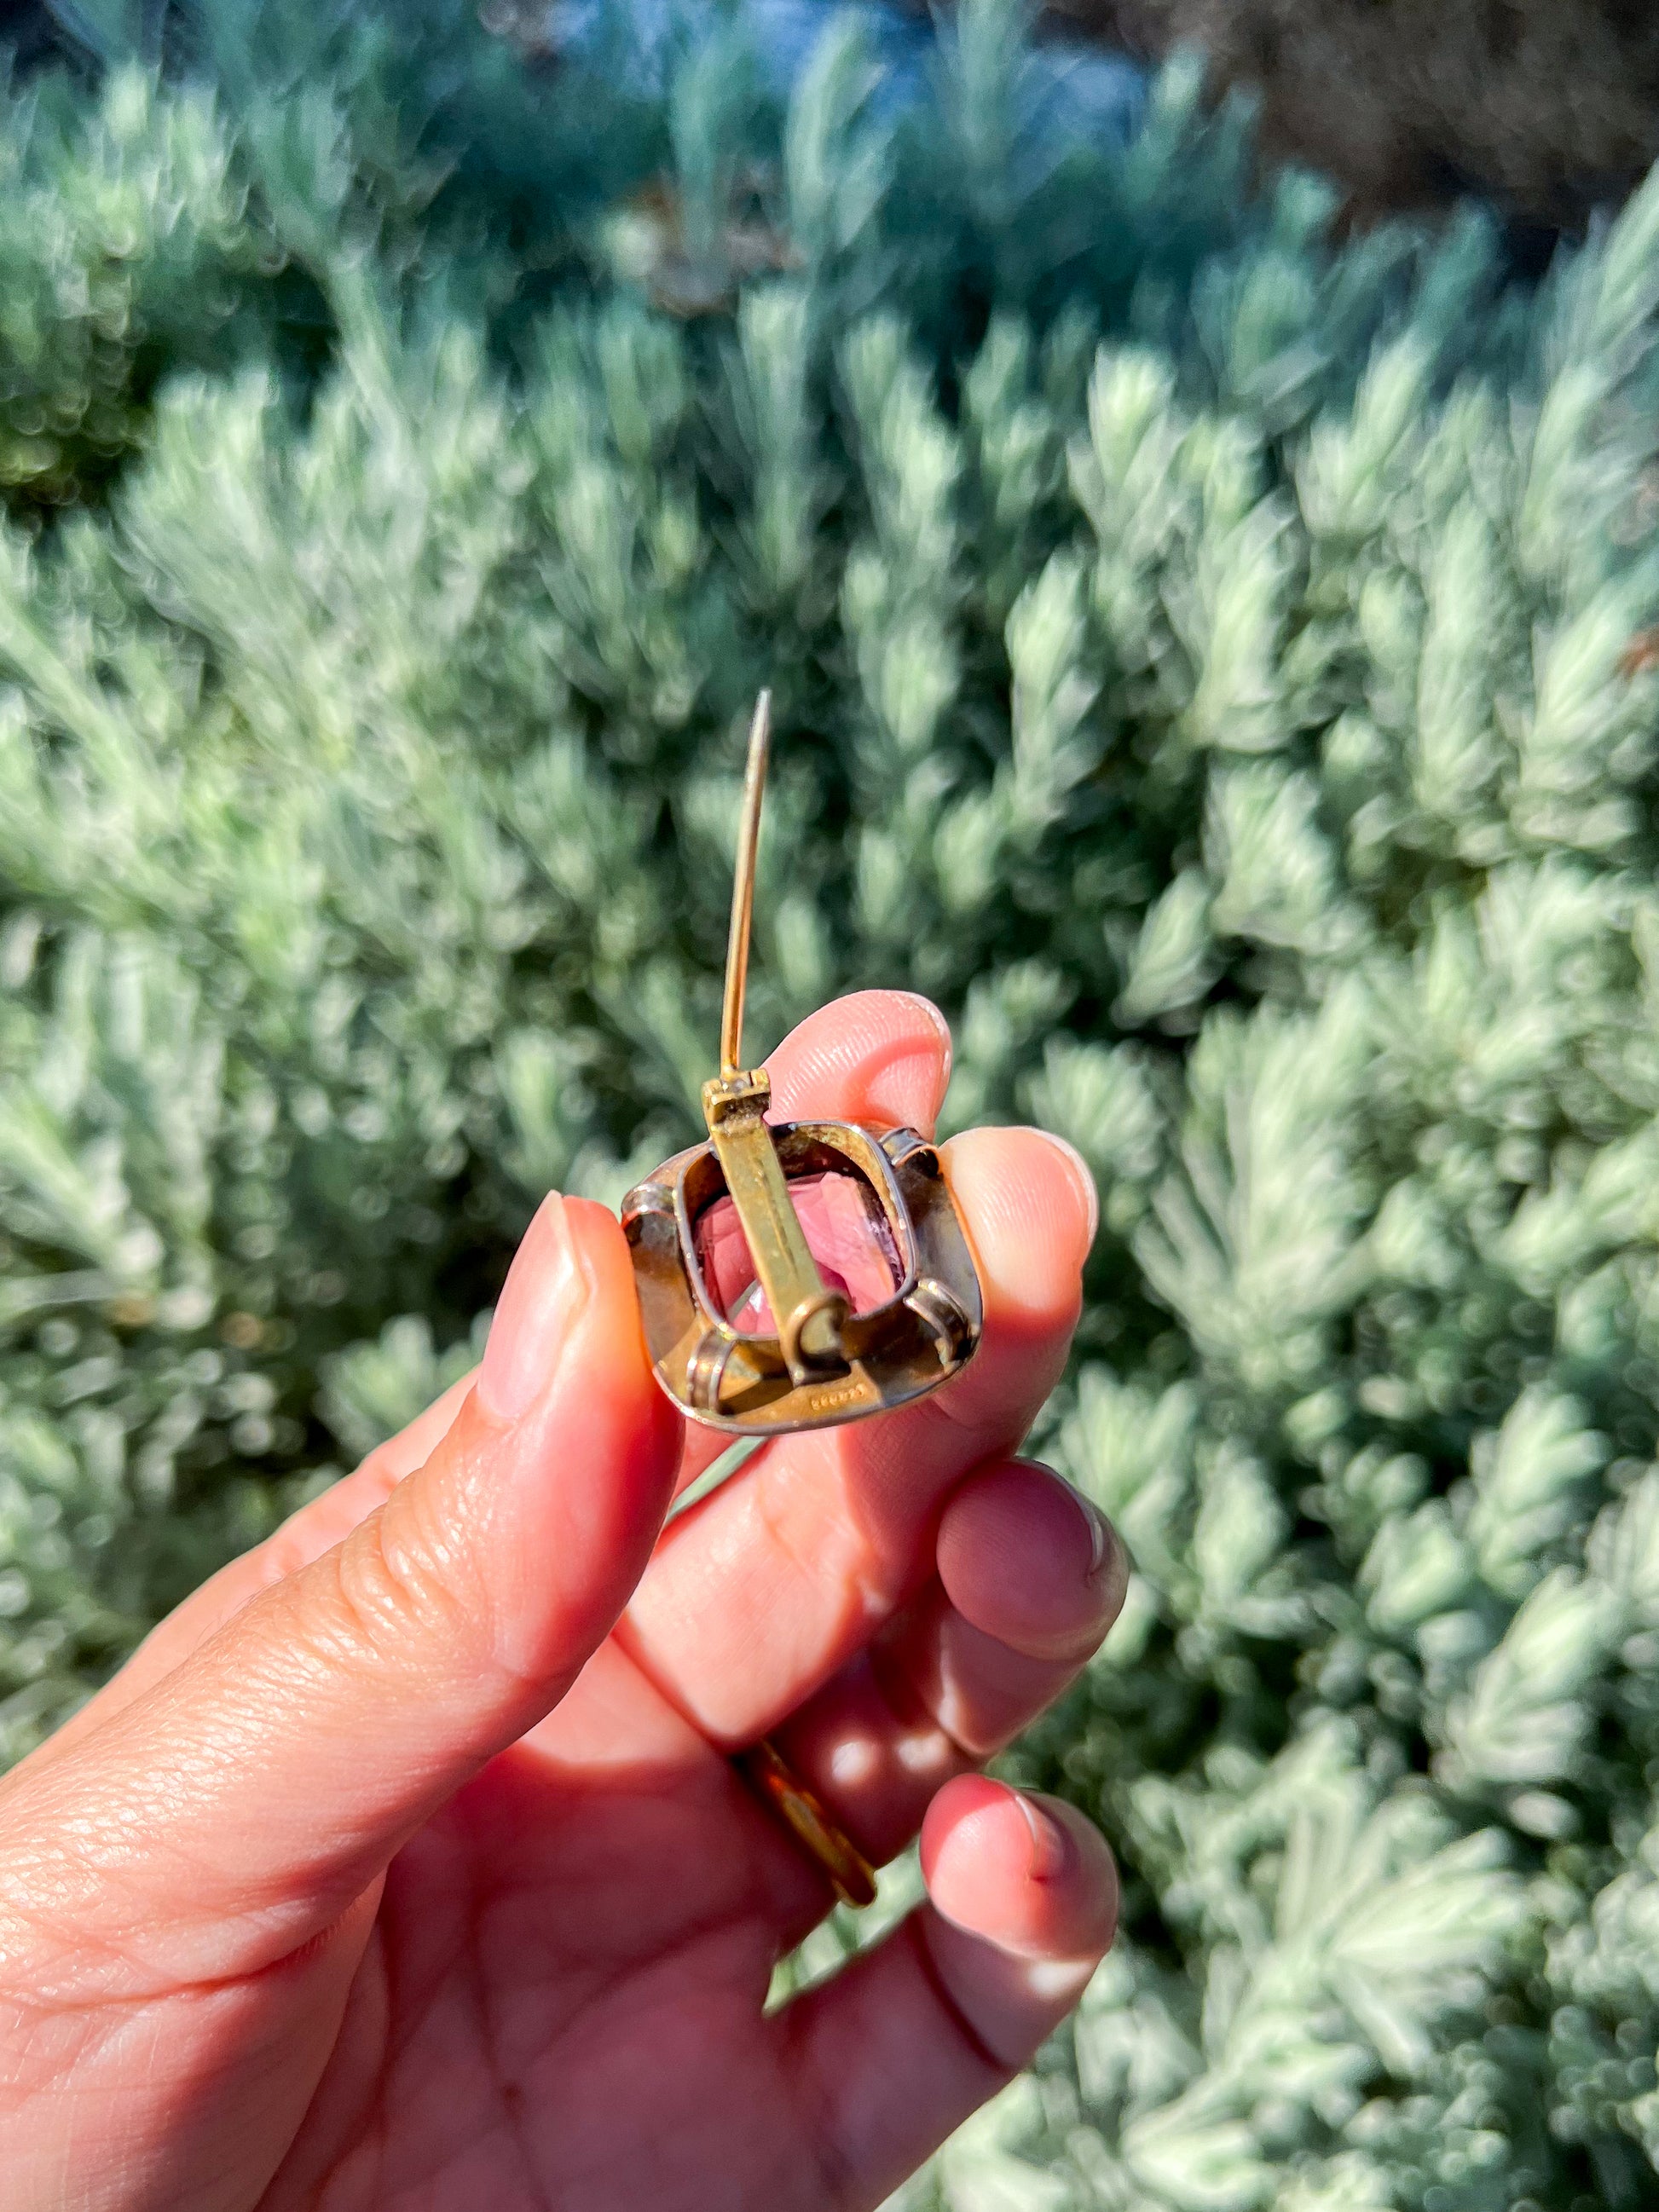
(846, 1231)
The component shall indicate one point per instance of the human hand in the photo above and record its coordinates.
(404, 1864)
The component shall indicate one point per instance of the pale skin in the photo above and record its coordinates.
(405, 1865)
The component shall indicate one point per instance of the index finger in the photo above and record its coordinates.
(877, 1056)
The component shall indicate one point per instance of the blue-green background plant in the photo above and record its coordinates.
(1215, 656)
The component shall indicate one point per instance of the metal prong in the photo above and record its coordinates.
(743, 888)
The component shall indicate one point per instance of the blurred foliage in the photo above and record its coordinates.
(1218, 662)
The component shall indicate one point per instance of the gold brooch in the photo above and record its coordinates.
(797, 1273)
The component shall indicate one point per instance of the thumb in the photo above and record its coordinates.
(270, 1777)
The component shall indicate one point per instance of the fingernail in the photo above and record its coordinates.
(1100, 1534)
(541, 1302)
(1051, 1847)
(1082, 1173)
(938, 1021)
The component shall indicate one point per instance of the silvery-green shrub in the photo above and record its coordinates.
(1218, 660)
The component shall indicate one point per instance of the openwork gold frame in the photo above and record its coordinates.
(824, 1364)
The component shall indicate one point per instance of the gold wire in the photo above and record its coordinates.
(743, 888)
(770, 1775)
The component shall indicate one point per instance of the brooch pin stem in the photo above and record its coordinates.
(809, 1316)
(743, 888)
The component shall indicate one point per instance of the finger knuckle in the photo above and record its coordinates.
(392, 1584)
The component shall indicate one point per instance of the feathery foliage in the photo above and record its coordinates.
(1220, 663)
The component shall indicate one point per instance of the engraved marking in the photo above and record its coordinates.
(832, 1395)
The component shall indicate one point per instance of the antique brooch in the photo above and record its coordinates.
(793, 1274)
